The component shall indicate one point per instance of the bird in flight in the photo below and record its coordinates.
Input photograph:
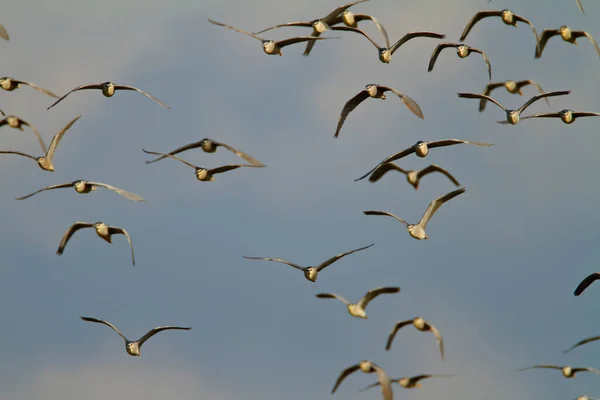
(358, 309)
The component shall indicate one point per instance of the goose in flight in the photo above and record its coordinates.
(420, 324)
(567, 371)
(337, 16)
(567, 35)
(108, 90)
(462, 50)
(566, 116)
(102, 230)
(133, 347)
(368, 367)
(10, 84)
(385, 53)
(513, 87)
(45, 162)
(311, 273)
(205, 174)
(4, 33)
(413, 177)
(17, 123)
(358, 309)
(513, 116)
(584, 341)
(587, 281)
(272, 47)
(83, 186)
(421, 149)
(210, 146)
(507, 16)
(411, 382)
(417, 231)
(376, 92)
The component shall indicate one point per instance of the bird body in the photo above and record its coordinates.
(358, 309)
(368, 367)
(9, 84)
(566, 116)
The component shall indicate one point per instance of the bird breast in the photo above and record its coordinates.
(320, 27)
(132, 348)
(356, 311)
(417, 232)
(203, 175)
(82, 187)
(365, 366)
(567, 372)
(102, 231)
(567, 117)
(508, 17)
(270, 47)
(311, 274)
(405, 383)
(511, 86)
(422, 150)
(385, 55)
(412, 178)
(462, 51)
(565, 33)
(7, 84)
(348, 18)
(108, 90)
(513, 117)
(419, 323)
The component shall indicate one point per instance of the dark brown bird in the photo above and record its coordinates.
(210, 146)
(413, 177)
(462, 50)
(513, 87)
(567, 35)
(376, 92)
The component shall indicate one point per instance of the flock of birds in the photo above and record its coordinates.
(343, 20)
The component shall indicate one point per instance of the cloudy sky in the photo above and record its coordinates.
(496, 276)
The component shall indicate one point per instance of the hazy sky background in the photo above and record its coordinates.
(496, 276)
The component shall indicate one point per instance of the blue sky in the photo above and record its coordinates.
(496, 276)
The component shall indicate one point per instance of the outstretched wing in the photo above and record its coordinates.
(82, 87)
(389, 214)
(277, 260)
(437, 51)
(383, 169)
(127, 87)
(235, 29)
(57, 138)
(332, 15)
(546, 34)
(371, 294)
(241, 154)
(170, 156)
(74, 228)
(305, 24)
(587, 281)
(36, 87)
(393, 157)
(485, 58)
(99, 321)
(436, 168)
(332, 296)
(335, 258)
(62, 185)
(299, 39)
(464, 95)
(124, 193)
(396, 328)
(343, 376)
(540, 366)
(154, 331)
(412, 35)
(584, 341)
(408, 101)
(436, 204)
(112, 230)
(348, 107)
(476, 18)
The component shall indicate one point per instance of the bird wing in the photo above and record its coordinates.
(241, 154)
(393, 157)
(541, 96)
(112, 230)
(438, 338)
(190, 146)
(436, 168)
(546, 34)
(170, 156)
(35, 131)
(486, 59)
(584, 341)
(311, 43)
(378, 24)
(127, 87)
(229, 167)
(384, 381)
(287, 42)
(332, 296)
(332, 15)
(343, 376)
(408, 101)
(335, 258)
(412, 35)
(72, 229)
(114, 328)
(436, 53)
(4, 33)
(348, 107)
(526, 21)
(588, 369)
(36, 87)
(306, 24)
(370, 386)
(450, 142)
(578, 5)
(124, 193)
(154, 331)
(383, 169)
(3, 114)
(540, 366)
(587, 281)
(62, 185)
(57, 138)
(546, 115)
(577, 34)
(18, 153)
(355, 30)
(82, 87)
(578, 114)
(464, 95)
(371, 294)
(386, 213)
(436, 204)
(526, 82)
(235, 29)
(476, 18)
(277, 260)
(399, 325)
